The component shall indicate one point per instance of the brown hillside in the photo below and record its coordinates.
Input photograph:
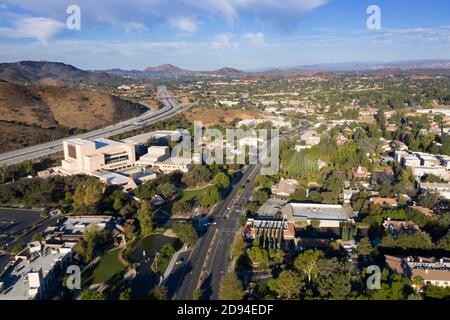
(57, 109)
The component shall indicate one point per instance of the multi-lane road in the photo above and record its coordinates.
(170, 108)
(210, 258)
(208, 261)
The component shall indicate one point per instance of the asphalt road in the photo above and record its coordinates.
(171, 107)
(192, 270)
(210, 258)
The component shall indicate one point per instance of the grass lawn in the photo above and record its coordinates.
(105, 270)
(188, 195)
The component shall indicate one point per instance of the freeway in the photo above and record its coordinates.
(210, 259)
(171, 108)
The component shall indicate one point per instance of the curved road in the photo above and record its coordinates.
(171, 107)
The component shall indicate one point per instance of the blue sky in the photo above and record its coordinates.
(208, 34)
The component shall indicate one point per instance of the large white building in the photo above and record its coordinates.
(34, 271)
(442, 188)
(158, 159)
(86, 157)
(423, 164)
(329, 216)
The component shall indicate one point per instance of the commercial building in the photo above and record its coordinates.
(329, 216)
(85, 157)
(442, 188)
(423, 164)
(433, 271)
(72, 228)
(270, 233)
(31, 275)
(155, 154)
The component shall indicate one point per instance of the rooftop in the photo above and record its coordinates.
(15, 278)
(99, 143)
(313, 211)
(430, 269)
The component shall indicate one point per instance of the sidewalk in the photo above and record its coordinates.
(172, 263)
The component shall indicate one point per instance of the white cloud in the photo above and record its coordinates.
(279, 11)
(42, 29)
(223, 40)
(185, 25)
(256, 39)
(134, 27)
(114, 11)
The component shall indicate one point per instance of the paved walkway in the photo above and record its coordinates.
(172, 262)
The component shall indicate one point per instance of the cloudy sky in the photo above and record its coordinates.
(208, 34)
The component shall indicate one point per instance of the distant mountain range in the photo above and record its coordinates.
(370, 66)
(55, 73)
(35, 71)
(306, 70)
(171, 70)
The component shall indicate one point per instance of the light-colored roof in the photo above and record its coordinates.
(102, 143)
(427, 185)
(428, 269)
(16, 285)
(79, 142)
(178, 161)
(312, 211)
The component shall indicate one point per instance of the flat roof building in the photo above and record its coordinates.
(330, 216)
(32, 273)
(85, 157)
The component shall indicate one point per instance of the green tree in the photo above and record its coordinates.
(167, 190)
(299, 195)
(145, 218)
(288, 285)
(238, 247)
(88, 194)
(197, 294)
(197, 176)
(334, 279)
(221, 181)
(126, 294)
(308, 263)
(365, 247)
(259, 257)
(444, 243)
(92, 295)
(395, 287)
(231, 287)
(186, 233)
(158, 293)
(210, 198)
(260, 197)
(93, 238)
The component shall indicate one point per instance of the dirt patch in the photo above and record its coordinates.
(210, 117)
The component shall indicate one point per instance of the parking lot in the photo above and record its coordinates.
(13, 222)
(271, 208)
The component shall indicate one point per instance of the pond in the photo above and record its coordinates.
(142, 254)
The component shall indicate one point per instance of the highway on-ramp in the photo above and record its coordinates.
(170, 108)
